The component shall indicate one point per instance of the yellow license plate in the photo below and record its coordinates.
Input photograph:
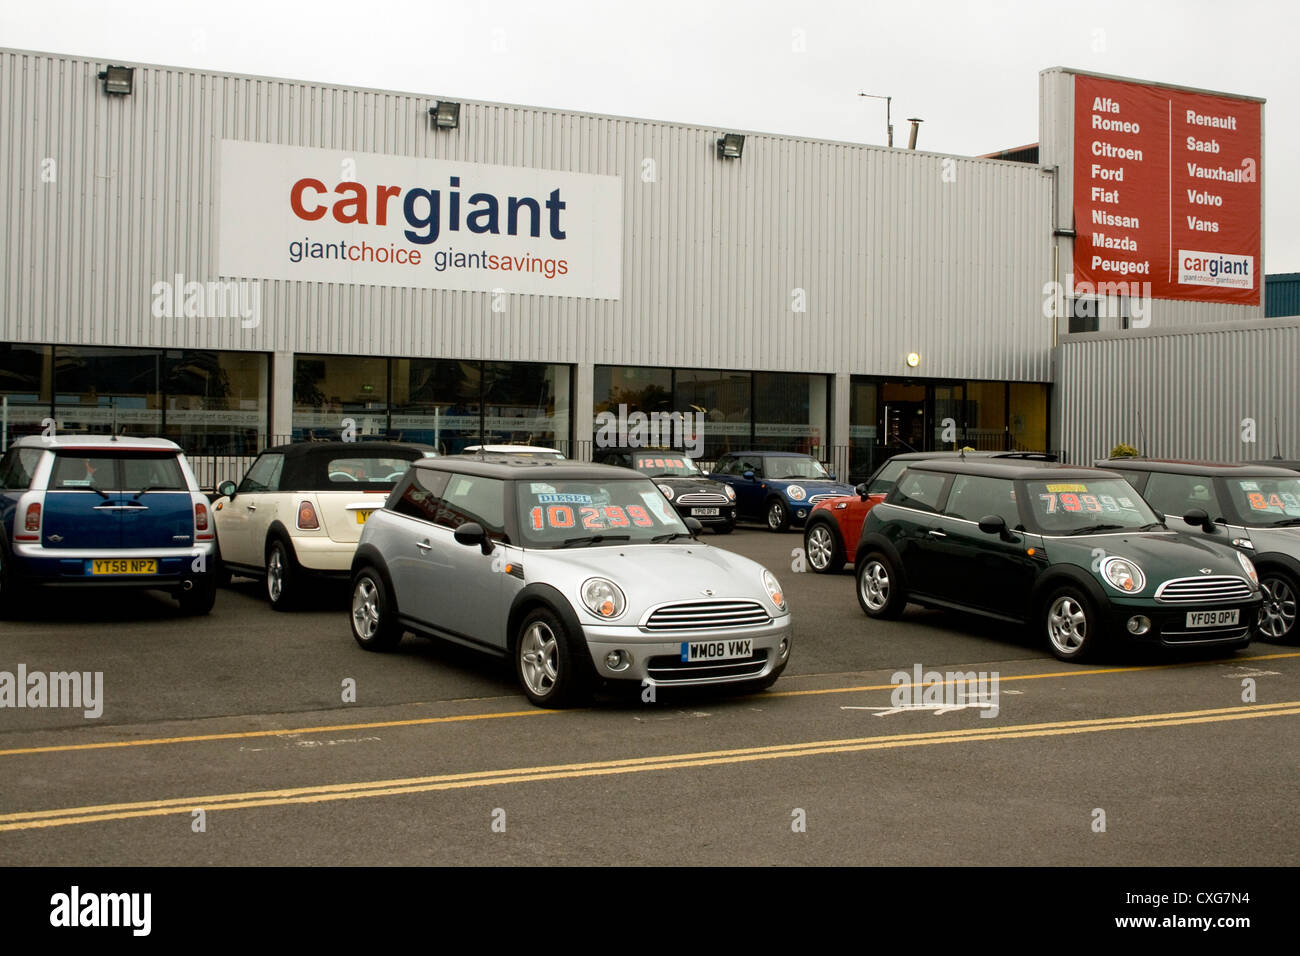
(125, 566)
(363, 515)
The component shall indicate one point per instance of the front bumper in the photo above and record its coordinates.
(1169, 624)
(40, 566)
(654, 657)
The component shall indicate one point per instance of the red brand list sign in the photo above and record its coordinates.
(1166, 191)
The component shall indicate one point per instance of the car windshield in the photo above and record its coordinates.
(117, 471)
(1080, 506)
(1265, 502)
(884, 482)
(792, 467)
(592, 512)
(665, 463)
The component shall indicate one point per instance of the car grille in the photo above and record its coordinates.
(1222, 587)
(702, 498)
(667, 670)
(706, 615)
(816, 498)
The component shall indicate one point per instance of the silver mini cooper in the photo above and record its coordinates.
(581, 574)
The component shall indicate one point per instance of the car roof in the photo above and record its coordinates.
(377, 448)
(126, 443)
(1220, 469)
(1290, 464)
(1016, 455)
(513, 449)
(1010, 468)
(525, 468)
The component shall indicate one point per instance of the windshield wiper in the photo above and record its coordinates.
(1096, 528)
(595, 539)
(1285, 523)
(1153, 525)
(670, 535)
(144, 491)
(99, 491)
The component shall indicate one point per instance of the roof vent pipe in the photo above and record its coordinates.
(911, 139)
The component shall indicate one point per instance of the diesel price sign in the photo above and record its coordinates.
(1167, 191)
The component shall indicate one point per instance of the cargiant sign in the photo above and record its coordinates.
(320, 215)
(1167, 191)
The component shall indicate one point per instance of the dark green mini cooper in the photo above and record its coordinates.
(1075, 553)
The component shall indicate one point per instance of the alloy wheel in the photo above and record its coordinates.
(1067, 624)
(820, 547)
(1277, 616)
(874, 585)
(275, 574)
(365, 609)
(539, 658)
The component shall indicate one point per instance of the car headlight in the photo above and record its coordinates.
(1248, 566)
(667, 490)
(773, 590)
(730, 492)
(603, 598)
(796, 493)
(1123, 575)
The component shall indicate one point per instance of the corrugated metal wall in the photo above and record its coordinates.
(1180, 394)
(894, 255)
(1282, 294)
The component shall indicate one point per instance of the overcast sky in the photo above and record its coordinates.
(970, 70)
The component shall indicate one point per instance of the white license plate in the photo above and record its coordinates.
(717, 650)
(1213, 618)
(705, 512)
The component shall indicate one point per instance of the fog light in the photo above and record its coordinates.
(801, 513)
(617, 660)
(784, 649)
(1139, 625)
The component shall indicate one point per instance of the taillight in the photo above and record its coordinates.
(307, 519)
(31, 529)
(201, 531)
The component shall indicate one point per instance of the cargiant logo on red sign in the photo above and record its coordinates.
(326, 216)
(1167, 190)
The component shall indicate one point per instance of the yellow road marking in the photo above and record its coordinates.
(40, 819)
(419, 721)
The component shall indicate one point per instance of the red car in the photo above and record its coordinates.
(830, 538)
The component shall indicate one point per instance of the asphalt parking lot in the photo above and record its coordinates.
(227, 740)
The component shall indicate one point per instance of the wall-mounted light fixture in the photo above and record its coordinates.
(913, 359)
(445, 115)
(730, 146)
(118, 80)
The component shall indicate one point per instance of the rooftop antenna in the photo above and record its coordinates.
(1277, 440)
(1142, 430)
(889, 124)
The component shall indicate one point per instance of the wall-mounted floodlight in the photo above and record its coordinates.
(446, 115)
(118, 80)
(913, 359)
(730, 146)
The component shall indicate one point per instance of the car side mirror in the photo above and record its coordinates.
(748, 476)
(693, 526)
(226, 489)
(1198, 517)
(995, 524)
(833, 476)
(472, 533)
(862, 491)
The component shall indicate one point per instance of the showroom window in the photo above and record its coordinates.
(26, 374)
(447, 403)
(215, 402)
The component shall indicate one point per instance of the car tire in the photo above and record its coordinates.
(1071, 623)
(200, 598)
(546, 663)
(822, 548)
(282, 575)
(880, 593)
(1277, 616)
(778, 515)
(374, 625)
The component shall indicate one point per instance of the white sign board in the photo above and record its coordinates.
(322, 215)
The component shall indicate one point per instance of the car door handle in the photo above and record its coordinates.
(252, 507)
(423, 545)
(936, 533)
